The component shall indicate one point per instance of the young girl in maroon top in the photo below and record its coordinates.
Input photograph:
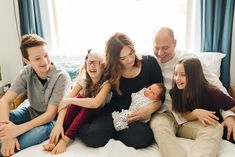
(88, 95)
(194, 98)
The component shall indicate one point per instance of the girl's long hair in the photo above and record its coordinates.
(112, 55)
(190, 97)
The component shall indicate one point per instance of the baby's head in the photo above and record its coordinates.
(155, 91)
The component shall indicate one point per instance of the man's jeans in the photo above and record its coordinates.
(33, 136)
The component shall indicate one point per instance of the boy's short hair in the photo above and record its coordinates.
(28, 41)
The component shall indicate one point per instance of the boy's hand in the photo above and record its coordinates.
(9, 146)
(8, 130)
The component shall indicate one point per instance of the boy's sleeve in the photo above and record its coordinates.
(20, 84)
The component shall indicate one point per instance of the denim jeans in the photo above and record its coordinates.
(33, 136)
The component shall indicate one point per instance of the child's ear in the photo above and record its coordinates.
(26, 61)
(103, 65)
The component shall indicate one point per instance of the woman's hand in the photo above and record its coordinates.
(206, 117)
(142, 113)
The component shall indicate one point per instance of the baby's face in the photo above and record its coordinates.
(152, 92)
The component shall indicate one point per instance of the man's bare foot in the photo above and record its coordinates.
(48, 147)
(61, 145)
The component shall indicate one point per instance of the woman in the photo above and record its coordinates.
(128, 73)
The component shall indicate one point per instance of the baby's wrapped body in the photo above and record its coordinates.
(138, 100)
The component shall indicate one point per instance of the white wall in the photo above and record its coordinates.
(10, 56)
(232, 63)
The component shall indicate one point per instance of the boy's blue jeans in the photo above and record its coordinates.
(33, 136)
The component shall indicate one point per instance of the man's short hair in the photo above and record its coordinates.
(28, 41)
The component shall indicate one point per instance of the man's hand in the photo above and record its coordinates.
(8, 146)
(9, 130)
(229, 122)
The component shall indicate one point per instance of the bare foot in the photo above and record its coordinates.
(61, 145)
(49, 146)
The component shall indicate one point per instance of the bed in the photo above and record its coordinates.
(116, 149)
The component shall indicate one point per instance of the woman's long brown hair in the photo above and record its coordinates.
(112, 55)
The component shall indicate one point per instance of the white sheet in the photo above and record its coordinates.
(116, 149)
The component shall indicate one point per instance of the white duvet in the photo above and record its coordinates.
(116, 149)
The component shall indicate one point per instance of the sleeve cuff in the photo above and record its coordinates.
(227, 113)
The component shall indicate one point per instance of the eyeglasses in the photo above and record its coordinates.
(95, 62)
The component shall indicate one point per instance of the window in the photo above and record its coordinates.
(78, 25)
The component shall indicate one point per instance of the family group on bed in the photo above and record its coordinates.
(136, 99)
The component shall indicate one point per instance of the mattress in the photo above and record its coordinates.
(116, 148)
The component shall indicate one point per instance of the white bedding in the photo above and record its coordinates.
(116, 149)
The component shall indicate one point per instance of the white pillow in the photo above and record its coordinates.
(212, 60)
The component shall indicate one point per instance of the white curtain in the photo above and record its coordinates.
(72, 27)
(193, 28)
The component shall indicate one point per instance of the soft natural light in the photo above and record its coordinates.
(85, 24)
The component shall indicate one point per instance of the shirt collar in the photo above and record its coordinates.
(50, 73)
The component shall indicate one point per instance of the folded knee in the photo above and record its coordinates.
(160, 128)
(95, 143)
(96, 138)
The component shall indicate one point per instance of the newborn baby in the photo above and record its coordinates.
(143, 97)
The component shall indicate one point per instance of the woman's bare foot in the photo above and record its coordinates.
(48, 147)
(61, 145)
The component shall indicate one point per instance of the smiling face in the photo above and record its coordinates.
(127, 57)
(164, 45)
(39, 60)
(94, 66)
(180, 76)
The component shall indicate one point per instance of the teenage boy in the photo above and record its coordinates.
(45, 85)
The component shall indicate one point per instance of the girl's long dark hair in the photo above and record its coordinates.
(91, 90)
(190, 97)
